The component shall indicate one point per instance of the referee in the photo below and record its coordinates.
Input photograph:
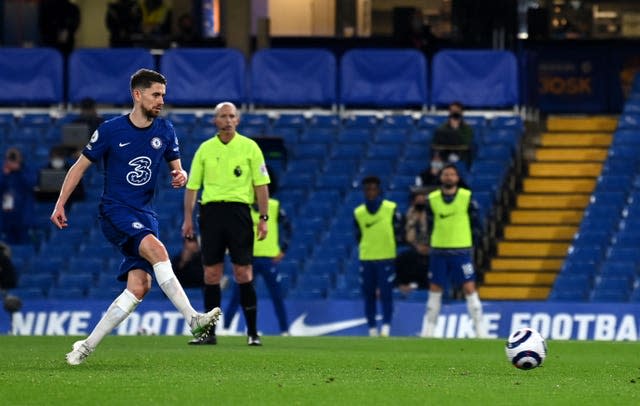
(231, 170)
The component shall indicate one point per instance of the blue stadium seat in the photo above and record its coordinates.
(431, 122)
(391, 136)
(75, 280)
(477, 78)
(619, 269)
(204, 76)
(507, 122)
(293, 77)
(26, 294)
(398, 122)
(321, 135)
(310, 151)
(38, 280)
(102, 73)
(348, 151)
(609, 296)
(355, 136)
(368, 79)
(334, 181)
(331, 121)
(384, 151)
(293, 120)
(66, 293)
(32, 76)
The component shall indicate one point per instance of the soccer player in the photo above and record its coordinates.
(232, 172)
(377, 223)
(451, 209)
(131, 148)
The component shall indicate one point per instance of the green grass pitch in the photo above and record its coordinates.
(161, 370)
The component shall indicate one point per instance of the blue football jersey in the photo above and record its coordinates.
(131, 158)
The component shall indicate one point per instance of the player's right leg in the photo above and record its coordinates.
(368, 278)
(437, 279)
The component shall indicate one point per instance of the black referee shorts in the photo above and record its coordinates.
(226, 225)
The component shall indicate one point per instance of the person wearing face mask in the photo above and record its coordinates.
(17, 181)
(58, 162)
(377, 223)
(412, 265)
(453, 140)
(452, 212)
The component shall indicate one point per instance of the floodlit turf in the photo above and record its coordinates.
(319, 370)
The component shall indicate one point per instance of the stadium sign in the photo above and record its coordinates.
(556, 321)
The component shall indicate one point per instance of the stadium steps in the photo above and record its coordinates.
(561, 177)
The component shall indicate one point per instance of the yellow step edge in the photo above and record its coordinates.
(582, 123)
(518, 278)
(571, 154)
(564, 170)
(547, 232)
(554, 216)
(514, 292)
(542, 201)
(575, 140)
(546, 185)
(526, 264)
(532, 249)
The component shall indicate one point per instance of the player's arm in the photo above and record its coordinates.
(71, 180)
(190, 196)
(262, 196)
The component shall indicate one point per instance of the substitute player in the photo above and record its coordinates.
(451, 249)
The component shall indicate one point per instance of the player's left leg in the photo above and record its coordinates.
(465, 275)
(243, 275)
(269, 271)
(386, 277)
(368, 279)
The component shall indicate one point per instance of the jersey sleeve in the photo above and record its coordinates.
(98, 144)
(196, 171)
(173, 150)
(259, 167)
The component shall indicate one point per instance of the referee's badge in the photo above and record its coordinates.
(263, 170)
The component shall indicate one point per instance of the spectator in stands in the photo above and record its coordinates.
(377, 223)
(124, 21)
(143, 140)
(187, 264)
(453, 140)
(58, 162)
(412, 265)
(187, 33)
(231, 170)
(16, 188)
(267, 254)
(452, 211)
(156, 19)
(430, 176)
(89, 115)
(8, 279)
(58, 21)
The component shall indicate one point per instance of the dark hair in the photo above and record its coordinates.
(452, 166)
(144, 78)
(371, 180)
(457, 104)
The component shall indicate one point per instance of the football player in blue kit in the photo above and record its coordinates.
(131, 148)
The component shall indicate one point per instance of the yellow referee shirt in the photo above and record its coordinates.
(228, 172)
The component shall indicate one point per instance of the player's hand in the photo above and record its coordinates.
(187, 229)
(59, 218)
(178, 178)
(278, 258)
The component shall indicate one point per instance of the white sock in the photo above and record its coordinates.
(373, 332)
(385, 330)
(474, 307)
(431, 315)
(117, 312)
(171, 287)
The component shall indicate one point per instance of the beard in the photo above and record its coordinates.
(149, 113)
(448, 185)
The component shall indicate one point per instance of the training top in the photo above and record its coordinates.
(451, 223)
(270, 245)
(378, 239)
(228, 172)
(131, 158)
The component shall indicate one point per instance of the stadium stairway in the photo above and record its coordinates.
(561, 176)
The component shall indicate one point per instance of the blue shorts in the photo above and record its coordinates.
(451, 266)
(125, 228)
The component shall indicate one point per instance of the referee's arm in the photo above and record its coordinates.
(262, 195)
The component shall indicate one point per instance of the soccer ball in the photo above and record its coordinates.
(526, 349)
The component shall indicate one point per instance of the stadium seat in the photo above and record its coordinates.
(102, 73)
(368, 79)
(293, 77)
(397, 122)
(32, 293)
(66, 293)
(204, 76)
